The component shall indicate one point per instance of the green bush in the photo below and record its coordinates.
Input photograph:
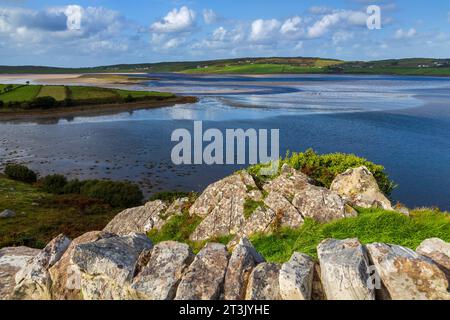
(170, 196)
(73, 187)
(117, 194)
(44, 102)
(20, 173)
(1, 104)
(54, 183)
(324, 168)
(129, 98)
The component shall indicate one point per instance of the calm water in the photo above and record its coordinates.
(402, 123)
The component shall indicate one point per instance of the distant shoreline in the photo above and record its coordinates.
(91, 110)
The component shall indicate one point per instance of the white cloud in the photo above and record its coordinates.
(219, 34)
(264, 29)
(403, 34)
(336, 20)
(209, 16)
(175, 21)
(291, 25)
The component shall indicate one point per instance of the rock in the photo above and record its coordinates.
(344, 270)
(296, 278)
(318, 292)
(264, 282)
(12, 260)
(137, 220)
(321, 204)
(159, 279)
(437, 250)
(359, 187)
(407, 275)
(242, 261)
(33, 281)
(288, 183)
(222, 206)
(107, 266)
(205, 276)
(7, 214)
(288, 214)
(65, 276)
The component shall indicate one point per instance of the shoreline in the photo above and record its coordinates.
(91, 110)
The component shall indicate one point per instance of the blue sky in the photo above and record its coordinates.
(38, 32)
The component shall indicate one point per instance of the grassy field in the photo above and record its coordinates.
(57, 92)
(27, 93)
(20, 93)
(42, 216)
(255, 69)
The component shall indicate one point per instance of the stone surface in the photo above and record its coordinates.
(137, 220)
(288, 214)
(344, 266)
(12, 260)
(264, 282)
(205, 276)
(437, 250)
(407, 275)
(296, 278)
(7, 214)
(66, 276)
(107, 266)
(33, 280)
(159, 279)
(222, 206)
(360, 188)
(242, 261)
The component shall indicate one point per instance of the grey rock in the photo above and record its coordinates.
(159, 279)
(264, 282)
(344, 270)
(7, 214)
(296, 278)
(437, 250)
(205, 276)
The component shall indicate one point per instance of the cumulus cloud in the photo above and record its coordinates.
(264, 29)
(291, 25)
(177, 20)
(209, 16)
(336, 20)
(404, 34)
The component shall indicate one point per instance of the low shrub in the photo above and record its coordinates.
(54, 183)
(20, 173)
(170, 196)
(44, 103)
(1, 103)
(73, 187)
(115, 193)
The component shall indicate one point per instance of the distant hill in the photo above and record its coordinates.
(271, 65)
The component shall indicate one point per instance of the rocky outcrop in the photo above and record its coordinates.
(11, 261)
(205, 276)
(159, 278)
(344, 266)
(33, 281)
(296, 278)
(359, 187)
(107, 266)
(7, 214)
(438, 251)
(264, 283)
(407, 275)
(243, 260)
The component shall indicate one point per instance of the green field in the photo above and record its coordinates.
(255, 69)
(86, 93)
(20, 94)
(141, 94)
(42, 216)
(57, 92)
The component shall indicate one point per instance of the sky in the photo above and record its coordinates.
(80, 33)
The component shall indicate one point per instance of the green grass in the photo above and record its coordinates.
(41, 216)
(21, 94)
(57, 92)
(141, 94)
(250, 206)
(87, 93)
(372, 225)
(258, 68)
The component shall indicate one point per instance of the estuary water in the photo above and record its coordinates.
(402, 123)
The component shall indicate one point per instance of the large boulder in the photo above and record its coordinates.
(264, 282)
(137, 220)
(33, 281)
(407, 275)
(12, 260)
(205, 276)
(158, 280)
(437, 250)
(360, 188)
(107, 266)
(296, 277)
(344, 270)
(222, 206)
(65, 276)
(242, 261)
(7, 214)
